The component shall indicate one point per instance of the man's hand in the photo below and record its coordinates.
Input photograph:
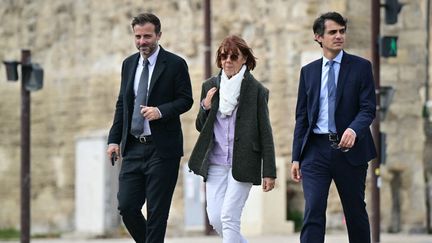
(348, 139)
(150, 113)
(207, 101)
(268, 184)
(295, 171)
(113, 148)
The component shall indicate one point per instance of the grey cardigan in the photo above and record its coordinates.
(253, 152)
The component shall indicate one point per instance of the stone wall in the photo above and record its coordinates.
(81, 45)
(403, 175)
(428, 124)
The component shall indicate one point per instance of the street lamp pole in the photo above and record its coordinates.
(207, 74)
(25, 152)
(375, 164)
(31, 80)
(207, 39)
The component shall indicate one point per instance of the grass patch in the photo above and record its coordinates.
(297, 217)
(9, 234)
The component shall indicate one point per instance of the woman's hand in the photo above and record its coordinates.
(207, 101)
(268, 184)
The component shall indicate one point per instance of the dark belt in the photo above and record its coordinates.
(144, 139)
(333, 137)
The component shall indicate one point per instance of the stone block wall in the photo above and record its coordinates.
(403, 187)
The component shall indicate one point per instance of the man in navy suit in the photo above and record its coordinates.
(155, 89)
(332, 140)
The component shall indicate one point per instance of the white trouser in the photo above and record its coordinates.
(226, 198)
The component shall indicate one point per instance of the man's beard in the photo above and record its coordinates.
(148, 50)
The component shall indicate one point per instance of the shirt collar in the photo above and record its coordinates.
(337, 59)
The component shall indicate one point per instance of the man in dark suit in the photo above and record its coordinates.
(155, 89)
(332, 140)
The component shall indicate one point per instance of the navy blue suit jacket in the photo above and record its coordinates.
(170, 91)
(355, 106)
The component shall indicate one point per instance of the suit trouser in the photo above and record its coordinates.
(322, 164)
(226, 198)
(146, 178)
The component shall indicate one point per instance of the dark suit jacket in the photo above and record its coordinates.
(355, 106)
(253, 152)
(170, 91)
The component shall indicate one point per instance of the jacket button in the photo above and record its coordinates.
(237, 138)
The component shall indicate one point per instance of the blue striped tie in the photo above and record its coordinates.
(331, 91)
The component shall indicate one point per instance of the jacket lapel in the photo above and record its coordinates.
(158, 69)
(243, 88)
(215, 82)
(130, 69)
(343, 72)
(316, 89)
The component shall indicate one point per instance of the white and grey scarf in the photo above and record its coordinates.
(230, 92)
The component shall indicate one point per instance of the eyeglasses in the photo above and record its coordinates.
(334, 139)
(233, 57)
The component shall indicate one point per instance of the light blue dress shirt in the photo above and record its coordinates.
(321, 126)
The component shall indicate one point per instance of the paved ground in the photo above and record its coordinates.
(294, 238)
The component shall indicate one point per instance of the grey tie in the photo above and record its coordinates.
(137, 126)
(331, 90)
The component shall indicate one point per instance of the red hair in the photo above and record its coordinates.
(232, 44)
